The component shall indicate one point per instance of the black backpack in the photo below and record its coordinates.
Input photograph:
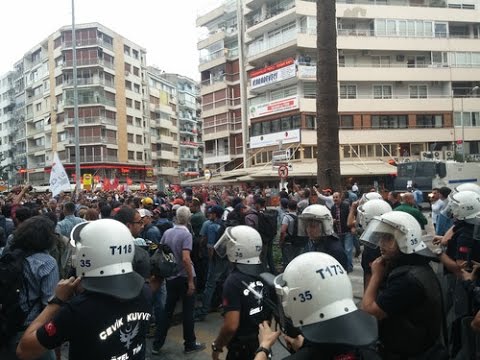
(164, 226)
(12, 282)
(163, 263)
(267, 224)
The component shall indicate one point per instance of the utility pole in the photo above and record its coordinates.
(243, 81)
(75, 102)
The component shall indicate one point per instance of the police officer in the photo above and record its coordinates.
(243, 292)
(316, 223)
(364, 214)
(403, 293)
(316, 295)
(110, 317)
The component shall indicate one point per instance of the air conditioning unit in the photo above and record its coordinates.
(406, 159)
(448, 154)
(426, 155)
(437, 155)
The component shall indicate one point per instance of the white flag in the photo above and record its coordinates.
(58, 177)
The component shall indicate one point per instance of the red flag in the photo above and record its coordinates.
(121, 188)
(115, 183)
(142, 186)
(106, 184)
(129, 181)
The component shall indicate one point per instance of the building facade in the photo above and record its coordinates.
(127, 112)
(408, 73)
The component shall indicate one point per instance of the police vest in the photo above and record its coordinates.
(416, 330)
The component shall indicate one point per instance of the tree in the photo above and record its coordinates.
(328, 157)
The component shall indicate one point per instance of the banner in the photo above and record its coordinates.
(58, 177)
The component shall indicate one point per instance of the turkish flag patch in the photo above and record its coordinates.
(463, 250)
(347, 356)
(225, 302)
(50, 328)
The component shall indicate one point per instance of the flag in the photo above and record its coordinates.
(115, 183)
(58, 177)
(129, 181)
(142, 186)
(106, 184)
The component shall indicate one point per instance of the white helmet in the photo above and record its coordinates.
(316, 294)
(319, 213)
(370, 196)
(466, 187)
(465, 205)
(405, 229)
(242, 245)
(368, 210)
(104, 255)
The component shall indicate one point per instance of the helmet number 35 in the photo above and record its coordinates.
(329, 271)
(305, 296)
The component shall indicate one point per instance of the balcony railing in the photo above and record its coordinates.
(91, 61)
(90, 100)
(87, 42)
(92, 120)
(413, 3)
(90, 81)
(270, 12)
(210, 154)
(93, 140)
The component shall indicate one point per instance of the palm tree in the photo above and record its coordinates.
(328, 157)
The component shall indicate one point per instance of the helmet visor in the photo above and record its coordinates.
(378, 230)
(221, 246)
(312, 222)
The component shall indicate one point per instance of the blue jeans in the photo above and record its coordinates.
(217, 268)
(177, 288)
(159, 301)
(347, 242)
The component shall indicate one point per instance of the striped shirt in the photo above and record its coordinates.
(41, 277)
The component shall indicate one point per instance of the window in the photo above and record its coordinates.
(128, 85)
(137, 105)
(126, 50)
(417, 91)
(348, 91)
(136, 71)
(38, 107)
(381, 61)
(382, 91)
(138, 139)
(310, 122)
(389, 121)
(130, 138)
(131, 155)
(135, 54)
(136, 88)
(346, 121)
(128, 69)
(429, 121)
(129, 119)
(139, 155)
(129, 102)
(138, 122)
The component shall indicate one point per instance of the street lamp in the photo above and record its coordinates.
(472, 90)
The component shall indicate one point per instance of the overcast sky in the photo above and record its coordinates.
(165, 28)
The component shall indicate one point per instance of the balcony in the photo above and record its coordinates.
(214, 157)
(92, 140)
(67, 44)
(166, 155)
(35, 130)
(164, 139)
(89, 101)
(93, 120)
(273, 18)
(89, 62)
(35, 148)
(89, 81)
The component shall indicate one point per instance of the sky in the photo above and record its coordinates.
(165, 28)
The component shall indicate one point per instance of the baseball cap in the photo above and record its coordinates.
(327, 190)
(178, 201)
(147, 201)
(145, 212)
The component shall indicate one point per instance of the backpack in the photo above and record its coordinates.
(267, 224)
(292, 237)
(163, 263)
(12, 281)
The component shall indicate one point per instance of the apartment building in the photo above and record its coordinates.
(126, 113)
(7, 107)
(408, 72)
(189, 126)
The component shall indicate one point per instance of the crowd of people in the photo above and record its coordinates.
(91, 271)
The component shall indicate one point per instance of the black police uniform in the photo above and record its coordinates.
(100, 327)
(411, 298)
(330, 245)
(237, 297)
